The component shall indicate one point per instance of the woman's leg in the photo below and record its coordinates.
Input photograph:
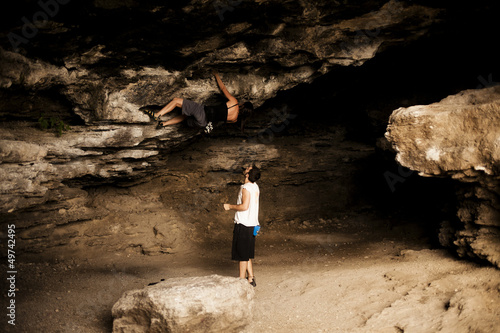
(246, 267)
(243, 269)
(250, 271)
(176, 102)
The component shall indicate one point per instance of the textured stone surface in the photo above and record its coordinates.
(183, 199)
(99, 91)
(96, 62)
(85, 69)
(304, 45)
(198, 304)
(80, 71)
(458, 137)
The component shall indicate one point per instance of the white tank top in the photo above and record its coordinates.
(249, 217)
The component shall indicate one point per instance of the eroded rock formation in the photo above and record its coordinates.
(97, 84)
(458, 137)
(198, 304)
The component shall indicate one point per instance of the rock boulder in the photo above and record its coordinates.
(197, 304)
(458, 137)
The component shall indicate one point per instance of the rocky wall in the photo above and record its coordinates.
(72, 86)
(307, 177)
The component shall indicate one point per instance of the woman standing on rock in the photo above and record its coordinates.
(205, 116)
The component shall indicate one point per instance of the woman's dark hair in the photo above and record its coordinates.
(254, 174)
(245, 112)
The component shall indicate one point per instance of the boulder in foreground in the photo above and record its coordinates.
(198, 304)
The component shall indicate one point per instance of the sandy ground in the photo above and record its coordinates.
(353, 274)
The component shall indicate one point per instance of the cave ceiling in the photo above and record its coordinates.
(132, 53)
(145, 52)
(94, 64)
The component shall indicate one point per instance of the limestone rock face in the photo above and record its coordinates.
(301, 44)
(92, 66)
(98, 88)
(458, 137)
(198, 304)
(182, 201)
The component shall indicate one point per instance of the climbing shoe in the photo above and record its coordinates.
(150, 113)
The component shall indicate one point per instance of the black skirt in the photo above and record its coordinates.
(243, 243)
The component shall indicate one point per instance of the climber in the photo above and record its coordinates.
(205, 116)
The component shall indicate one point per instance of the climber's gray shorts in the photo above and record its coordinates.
(195, 113)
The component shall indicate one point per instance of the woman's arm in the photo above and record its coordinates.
(245, 202)
(224, 89)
